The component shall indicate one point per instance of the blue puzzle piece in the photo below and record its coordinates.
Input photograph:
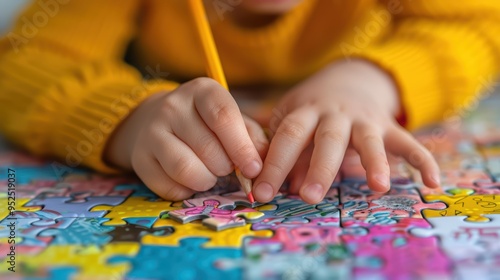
(29, 230)
(139, 190)
(188, 261)
(83, 231)
(62, 206)
(144, 221)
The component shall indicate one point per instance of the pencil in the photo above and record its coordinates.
(214, 69)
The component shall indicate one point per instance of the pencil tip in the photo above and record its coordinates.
(250, 197)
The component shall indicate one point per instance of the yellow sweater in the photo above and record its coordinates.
(64, 85)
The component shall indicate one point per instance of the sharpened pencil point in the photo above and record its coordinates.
(250, 197)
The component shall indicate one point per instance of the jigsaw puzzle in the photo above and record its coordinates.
(78, 224)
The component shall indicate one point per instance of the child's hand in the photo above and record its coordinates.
(178, 143)
(347, 103)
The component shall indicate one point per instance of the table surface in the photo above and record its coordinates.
(73, 223)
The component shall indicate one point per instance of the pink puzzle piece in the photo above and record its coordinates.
(391, 252)
(215, 217)
(295, 235)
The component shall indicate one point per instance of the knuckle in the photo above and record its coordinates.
(244, 152)
(327, 170)
(208, 147)
(276, 170)
(175, 192)
(332, 136)
(169, 105)
(201, 84)
(185, 169)
(371, 138)
(291, 129)
(222, 115)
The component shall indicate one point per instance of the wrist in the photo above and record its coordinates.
(364, 76)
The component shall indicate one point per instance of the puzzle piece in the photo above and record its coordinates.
(331, 262)
(133, 207)
(225, 201)
(293, 236)
(79, 190)
(30, 190)
(29, 230)
(296, 250)
(463, 202)
(139, 190)
(463, 240)
(361, 204)
(89, 262)
(20, 206)
(214, 217)
(232, 237)
(197, 264)
(390, 251)
(82, 231)
(293, 208)
(63, 207)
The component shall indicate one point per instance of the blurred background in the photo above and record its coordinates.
(9, 9)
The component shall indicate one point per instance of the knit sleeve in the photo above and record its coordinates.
(442, 54)
(64, 86)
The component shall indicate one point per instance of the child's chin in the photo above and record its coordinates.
(270, 6)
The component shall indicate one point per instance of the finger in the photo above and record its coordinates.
(220, 112)
(402, 143)
(291, 138)
(259, 138)
(299, 171)
(330, 143)
(207, 147)
(182, 165)
(370, 146)
(151, 173)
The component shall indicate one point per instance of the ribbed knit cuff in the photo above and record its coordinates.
(106, 95)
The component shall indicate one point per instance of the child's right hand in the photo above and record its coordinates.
(179, 142)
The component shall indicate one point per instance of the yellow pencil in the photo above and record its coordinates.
(214, 69)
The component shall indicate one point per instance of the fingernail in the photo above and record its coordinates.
(436, 179)
(264, 191)
(252, 169)
(313, 192)
(383, 180)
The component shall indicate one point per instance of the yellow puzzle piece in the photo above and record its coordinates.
(4, 210)
(90, 262)
(232, 237)
(463, 202)
(134, 207)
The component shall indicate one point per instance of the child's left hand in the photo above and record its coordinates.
(347, 103)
